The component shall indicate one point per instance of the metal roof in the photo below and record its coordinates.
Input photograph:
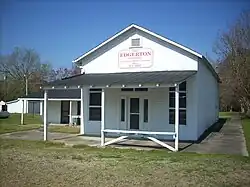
(118, 79)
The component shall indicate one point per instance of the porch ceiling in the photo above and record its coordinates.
(118, 79)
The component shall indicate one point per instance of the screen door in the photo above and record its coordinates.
(134, 113)
(65, 112)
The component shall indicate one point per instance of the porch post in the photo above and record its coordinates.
(41, 108)
(82, 118)
(86, 107)
(176, 141)
(22, 115)
(45, 116)
(26, 107)
(70, 112)
(103, 118)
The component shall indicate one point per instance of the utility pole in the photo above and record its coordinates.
(5, 86)
(26, 85)
(26, 91)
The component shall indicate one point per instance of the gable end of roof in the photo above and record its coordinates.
(134, 26)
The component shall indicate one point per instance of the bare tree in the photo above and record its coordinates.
(20, 67)
(233, 48)
(61, 73)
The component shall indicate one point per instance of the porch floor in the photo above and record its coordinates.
(226, 138)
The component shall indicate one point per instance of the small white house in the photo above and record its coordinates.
(138, 83)
(63, 106)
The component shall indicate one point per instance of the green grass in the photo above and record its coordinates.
(15, 118)
(64, 129)
(246, 128)
(35, 163)
(7, 128)
(226, 114)
(12, 124)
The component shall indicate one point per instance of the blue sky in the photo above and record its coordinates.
(63, 30)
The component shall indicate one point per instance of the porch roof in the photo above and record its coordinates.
(55, 94)
(118, 79)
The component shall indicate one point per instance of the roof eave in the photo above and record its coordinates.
(103, 43)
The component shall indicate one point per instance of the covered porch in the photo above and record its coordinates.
(123, 105)
(63, 106)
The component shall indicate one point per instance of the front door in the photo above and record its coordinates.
(65, 112)
(134, 113)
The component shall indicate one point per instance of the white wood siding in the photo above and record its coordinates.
(16, 106)
(208, 102)
(34, 107)
(54, 111)
(158, 111)
(166, 56)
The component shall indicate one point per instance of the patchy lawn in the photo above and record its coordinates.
(12, 124)
(15, 118)
(64, 129)
(246, 128)
(7, 128)
(227, 114)
(26, 163)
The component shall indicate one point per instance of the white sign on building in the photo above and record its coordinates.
(135, 58)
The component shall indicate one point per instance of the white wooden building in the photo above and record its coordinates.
(138, 83)
(63, 106)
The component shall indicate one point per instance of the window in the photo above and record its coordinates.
(135, 42)
(145, 110)
(95, 90)
(95, 99)
(78, 121)
(4, 108)
(182, 104)
(171, 116)
(122, 109)
(95, 105)
(78, 107)
(182, 99)
(182, 116)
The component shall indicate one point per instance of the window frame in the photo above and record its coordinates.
(171, 90)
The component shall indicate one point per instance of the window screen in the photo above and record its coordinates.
(95, 114)
(95, 105)
(95, 99)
